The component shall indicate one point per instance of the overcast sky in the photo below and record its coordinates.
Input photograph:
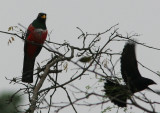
(93, 16)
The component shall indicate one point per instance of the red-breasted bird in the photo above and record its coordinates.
(35, 37)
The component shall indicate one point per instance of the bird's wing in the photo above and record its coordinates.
(26, 36)
(129, 67)
(28, 63)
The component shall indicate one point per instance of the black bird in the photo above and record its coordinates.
(117, 93)
(130, 72)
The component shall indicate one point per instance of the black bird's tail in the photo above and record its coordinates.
(28, 68)
(116, 93)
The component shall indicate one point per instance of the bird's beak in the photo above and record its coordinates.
(44, 16)
(154, 83)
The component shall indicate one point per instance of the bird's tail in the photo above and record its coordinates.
(116, 93)
(28, 68)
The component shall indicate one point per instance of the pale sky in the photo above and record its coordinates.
(92, 16)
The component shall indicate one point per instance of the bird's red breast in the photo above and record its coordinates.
(36, 36)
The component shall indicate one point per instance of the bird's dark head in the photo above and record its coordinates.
(141, 84)
(42, 17)
(149, 82)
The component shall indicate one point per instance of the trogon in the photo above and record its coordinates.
(34, 39)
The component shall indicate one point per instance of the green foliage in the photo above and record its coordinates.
(8, 103)
(108, 109)
(88, 87)
(101, 80)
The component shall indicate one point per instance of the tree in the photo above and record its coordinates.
(71, 65)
